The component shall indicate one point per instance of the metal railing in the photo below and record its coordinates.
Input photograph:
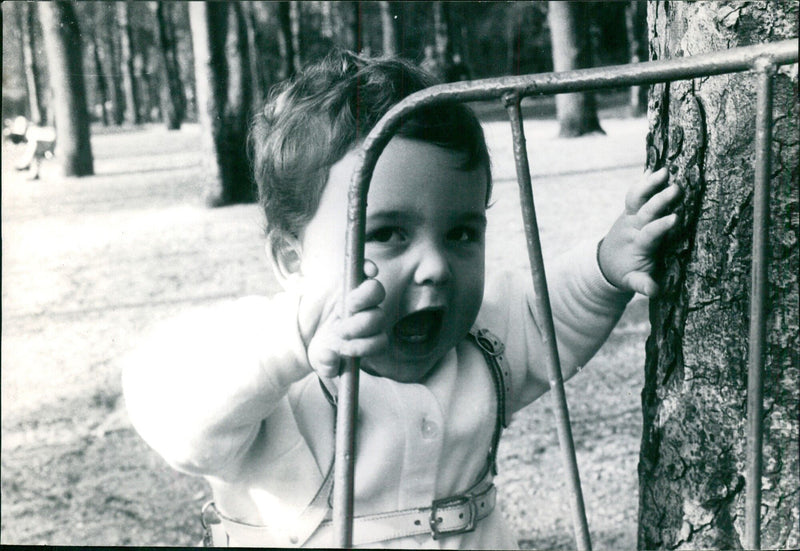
(762, 59)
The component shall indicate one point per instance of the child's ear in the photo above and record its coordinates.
(286, 255)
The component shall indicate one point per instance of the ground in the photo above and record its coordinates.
(90, 264)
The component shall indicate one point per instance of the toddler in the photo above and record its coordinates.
(244, 394)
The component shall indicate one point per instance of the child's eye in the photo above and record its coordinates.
(386, 234)
(464, 235)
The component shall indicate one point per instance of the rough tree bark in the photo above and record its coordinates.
(132, 108)
(693, 453)
(219, 41)
(572, 49)
(174, 99)
(62, 42)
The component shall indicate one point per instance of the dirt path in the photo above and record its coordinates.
(89, 264)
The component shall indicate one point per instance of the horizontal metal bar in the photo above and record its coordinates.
(648, 72)
(726, 61)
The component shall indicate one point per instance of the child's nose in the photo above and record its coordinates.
(433, 267)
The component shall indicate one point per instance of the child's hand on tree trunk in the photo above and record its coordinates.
(627, 253)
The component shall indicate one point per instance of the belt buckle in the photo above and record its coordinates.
(458, 501)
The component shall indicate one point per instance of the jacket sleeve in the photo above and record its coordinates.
(199, 388)
(585, 308)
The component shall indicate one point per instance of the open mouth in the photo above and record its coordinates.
(420, 327)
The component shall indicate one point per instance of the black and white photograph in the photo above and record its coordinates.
(387, 274)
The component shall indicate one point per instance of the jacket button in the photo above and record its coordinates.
(294, 540)
(430, 429)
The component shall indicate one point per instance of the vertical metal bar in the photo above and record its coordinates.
(347, 401)
(758, 279)
(545, 318)
(344, 466)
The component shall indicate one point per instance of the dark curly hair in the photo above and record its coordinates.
(310, 122)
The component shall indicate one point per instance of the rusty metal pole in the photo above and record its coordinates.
(544, 317)
(344, 466)
(764, 69)
(347, 404)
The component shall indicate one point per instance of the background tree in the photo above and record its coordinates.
(111, 40)
(569, 26)
(692, 463)
(174, 99)
(295, 30)
(441, 36)
(286, 43)
(33, 81)
(219, 37)
(91, 12)
(65, 63)
(357, 21)
(132, 111)
(389, 30)
(636, 31)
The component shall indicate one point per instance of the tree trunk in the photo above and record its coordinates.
(326, 24)
(223, 98)
(145, 73)
(174, 98)
(285, 42)
(62, 42)
(357, 29)
(572, 49)
(693, 453)
(115, 74)
(258, 77)
(32, 78)
(132, 108)
(513, 39)
(389, 30)
(636, 30)
(295, 20)
(102, 91)
(441, 36)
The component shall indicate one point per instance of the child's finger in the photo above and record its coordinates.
(365, 323)
(642, 283)
(324, 358)
(367, 295)
(370, 268)
(648, 186)
(652, 233)
(659, 203)
(364, 347)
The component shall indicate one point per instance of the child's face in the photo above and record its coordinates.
(425, 226)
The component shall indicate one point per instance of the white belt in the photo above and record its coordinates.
(445, 517)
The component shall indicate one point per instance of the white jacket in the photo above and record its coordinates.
(226, 392)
